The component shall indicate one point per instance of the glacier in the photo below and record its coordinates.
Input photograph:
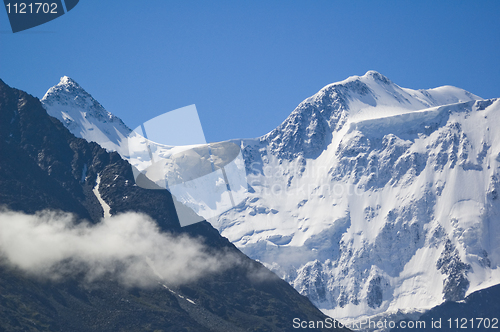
(371, 199)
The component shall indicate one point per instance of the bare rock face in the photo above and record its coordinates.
(455, 284)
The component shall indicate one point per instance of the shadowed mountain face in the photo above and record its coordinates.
(43, 166)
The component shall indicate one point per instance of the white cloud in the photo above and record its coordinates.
(128, 247)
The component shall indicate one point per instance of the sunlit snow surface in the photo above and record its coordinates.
(359, 225)
(370, 198)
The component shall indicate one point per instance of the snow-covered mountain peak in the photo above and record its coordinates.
(84, 116)
(66, 80)
(68, 91)
(369, 76)
(70, 94)
(309, 128)
(377, 76)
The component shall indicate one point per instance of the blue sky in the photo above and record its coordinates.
(247, 64)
